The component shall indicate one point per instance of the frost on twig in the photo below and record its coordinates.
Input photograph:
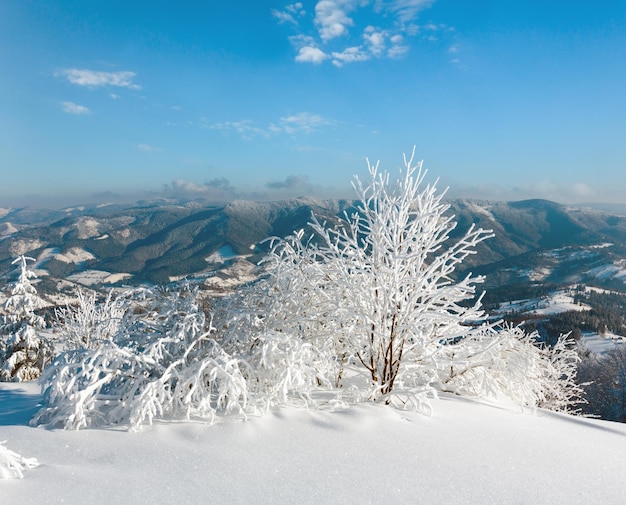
(12, 465)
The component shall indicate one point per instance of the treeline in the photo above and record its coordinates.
(495, 296)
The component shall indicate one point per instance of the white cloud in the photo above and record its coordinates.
(332, 19)
(375, 39)
(93, 79)
(349, 55)
(397, 51)
(310, 54)
(219, 189)
(333, 32)
(73, 108)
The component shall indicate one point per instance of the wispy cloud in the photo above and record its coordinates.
(73, 108)
(302, 122)
(332, 31)
(407, 10)
(245, 127)
(290, 14)
(147, 148)
(94, 79)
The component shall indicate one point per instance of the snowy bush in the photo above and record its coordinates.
(88, 323)
(12, 465)
(508, 362)
(161, 362)
(25, 351)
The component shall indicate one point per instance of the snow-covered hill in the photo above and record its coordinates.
(535, 241)
(467, 452)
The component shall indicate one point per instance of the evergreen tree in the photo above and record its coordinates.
(24, 351)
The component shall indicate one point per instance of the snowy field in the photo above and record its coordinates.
(467, 452)
(602, 343)
(556, 303)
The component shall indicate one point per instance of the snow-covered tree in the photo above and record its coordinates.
(377, 291)
(25, 351)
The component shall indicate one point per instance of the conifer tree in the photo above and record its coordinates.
(24, 351)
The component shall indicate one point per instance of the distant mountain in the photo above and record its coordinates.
(535, 240)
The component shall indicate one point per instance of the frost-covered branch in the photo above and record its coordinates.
(12, 465)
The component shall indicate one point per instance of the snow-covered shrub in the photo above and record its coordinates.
(161, 362)
(12, 465)
(25, 351)
(88, 323)
(507, 362)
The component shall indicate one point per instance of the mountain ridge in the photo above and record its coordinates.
(157, 243)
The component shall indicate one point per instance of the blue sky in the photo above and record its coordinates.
(102, 100)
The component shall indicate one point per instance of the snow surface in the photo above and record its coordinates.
(91, 277)
(224, 253)
(75, 255)
(556, 303)
(87, 228)
(466, 452)
(23, 246)
(7, 229)
(610, 271)
(602, 343)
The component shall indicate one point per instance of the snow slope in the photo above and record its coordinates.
(466, 452)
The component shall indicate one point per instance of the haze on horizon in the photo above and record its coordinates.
(111, 101)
